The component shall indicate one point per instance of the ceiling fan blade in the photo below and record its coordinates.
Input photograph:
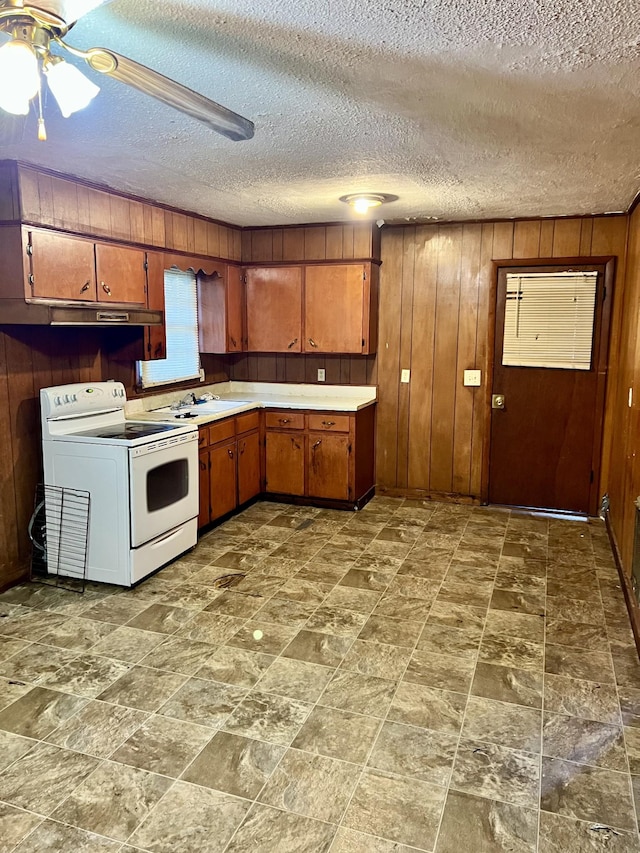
(175, 95)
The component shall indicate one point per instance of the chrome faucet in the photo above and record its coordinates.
(188, 400)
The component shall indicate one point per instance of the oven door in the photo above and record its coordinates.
(163, 486)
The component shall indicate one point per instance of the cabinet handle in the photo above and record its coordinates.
(316, 444)
(293, 343)
(84, 287)
(242, 449)
(295, 444)
(233, 342)
(106, 288)
(159, 350)
(328, 423)
(284, 420)
(230, 452)
(312, 342)
(203, 465)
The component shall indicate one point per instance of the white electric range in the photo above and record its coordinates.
(142, 478)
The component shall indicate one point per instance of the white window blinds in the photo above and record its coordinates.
(181, 321)
(549, 320)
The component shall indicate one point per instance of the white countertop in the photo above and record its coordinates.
(252, 395)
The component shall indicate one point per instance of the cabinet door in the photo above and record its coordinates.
(248, 467)
(62, 267)
(204, 515)
(222, 487)
(235, 310)
(328, 469)
(334, 307)
(212, 311)
(274, 309)
(155, 339)
(284, 462)
(121, 274)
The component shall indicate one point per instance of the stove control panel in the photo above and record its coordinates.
(81, 398)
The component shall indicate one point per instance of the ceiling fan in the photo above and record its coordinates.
(37, 27)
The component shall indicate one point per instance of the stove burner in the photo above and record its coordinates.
(129, 430)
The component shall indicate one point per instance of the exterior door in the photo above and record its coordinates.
(549, 370)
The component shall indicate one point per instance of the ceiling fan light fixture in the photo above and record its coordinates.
(19, 76)
(70, 87)
(362, 203)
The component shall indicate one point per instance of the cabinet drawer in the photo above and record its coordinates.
(285, 420)
(246, 422)
(222, 430)
(334, 423)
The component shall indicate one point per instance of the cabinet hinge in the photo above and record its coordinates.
(29, 248)
(146, 265)
(364, 275)
(349, 448)
(604, 292)
(363, 342)
(31, 279)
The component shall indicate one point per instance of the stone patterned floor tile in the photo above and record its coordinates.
(51, 835)
(397, 809)
(390, 673)
(486, 825)
(338, 734)
(295, 833)
(311, 785)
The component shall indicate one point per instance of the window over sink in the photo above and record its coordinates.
(181, 323)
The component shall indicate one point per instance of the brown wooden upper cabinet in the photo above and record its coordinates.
(220, 304)
(339, 311)
(313, 308)
(274, 309)
(77, 269)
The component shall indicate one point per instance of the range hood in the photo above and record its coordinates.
(18, 311)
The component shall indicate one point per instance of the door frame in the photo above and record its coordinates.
(601, 368)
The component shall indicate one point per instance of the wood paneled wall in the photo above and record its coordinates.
(624, 459)
(436, 319)
(42, 198)
(30, 359)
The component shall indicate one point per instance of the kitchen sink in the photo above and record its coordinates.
(195, 410)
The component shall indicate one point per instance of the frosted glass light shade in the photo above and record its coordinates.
(19, 76)
(71, 89)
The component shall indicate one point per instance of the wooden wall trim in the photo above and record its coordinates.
(625, 582)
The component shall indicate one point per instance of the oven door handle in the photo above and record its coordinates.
(166, 538)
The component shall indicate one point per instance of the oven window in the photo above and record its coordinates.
(167, 484)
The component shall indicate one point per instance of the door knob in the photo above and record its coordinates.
(497, 401)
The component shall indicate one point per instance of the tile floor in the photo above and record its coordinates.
(414, 677)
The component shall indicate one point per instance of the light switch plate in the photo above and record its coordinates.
(405, 376)
(473, 378)
(321, 374)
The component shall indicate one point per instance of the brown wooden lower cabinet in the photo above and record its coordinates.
(324, 456)
(229, 457)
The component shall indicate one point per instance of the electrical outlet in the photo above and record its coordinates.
(321, 374)
(405, 376)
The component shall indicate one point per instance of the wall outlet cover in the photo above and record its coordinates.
(321, 374)
(405, 376)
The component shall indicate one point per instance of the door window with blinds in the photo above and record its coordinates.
(181, 322)
(549, 320)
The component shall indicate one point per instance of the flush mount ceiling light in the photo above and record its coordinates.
(35, 27)
(363, 202)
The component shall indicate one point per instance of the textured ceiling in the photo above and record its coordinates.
(476, 109)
